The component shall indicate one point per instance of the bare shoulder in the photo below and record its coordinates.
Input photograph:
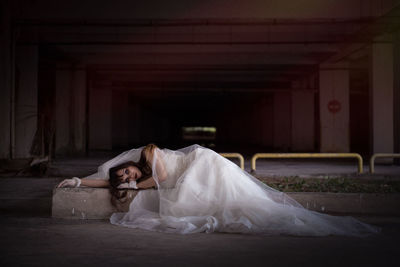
(149, 151)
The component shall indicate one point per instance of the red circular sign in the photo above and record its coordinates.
(334, 106)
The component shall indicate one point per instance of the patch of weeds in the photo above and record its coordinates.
(335, 185)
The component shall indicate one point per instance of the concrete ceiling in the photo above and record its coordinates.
(270, 42)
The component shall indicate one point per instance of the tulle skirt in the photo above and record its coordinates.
(205, 192)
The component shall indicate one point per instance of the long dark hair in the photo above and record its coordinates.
(119, 196)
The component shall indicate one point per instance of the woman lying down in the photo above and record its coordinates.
(200, 191)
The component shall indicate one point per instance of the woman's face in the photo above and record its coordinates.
(129, 174)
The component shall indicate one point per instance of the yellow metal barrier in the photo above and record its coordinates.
(307, 155)
(380, 155)
(234, 155)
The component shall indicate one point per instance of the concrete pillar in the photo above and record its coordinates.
(6, 66)
(302, 120)
(382, 98)
(70, 110)
(334, 107)
(282, 121)
(100, 108)
(63, 84)
(396, 94)
(26, 102)
(79, 121)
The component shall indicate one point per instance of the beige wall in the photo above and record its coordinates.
(334, 85)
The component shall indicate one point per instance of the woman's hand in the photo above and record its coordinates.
(130, 185)
(74, 182)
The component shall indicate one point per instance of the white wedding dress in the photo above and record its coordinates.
(204, 192)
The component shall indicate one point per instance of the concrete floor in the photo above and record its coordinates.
(43, 241)
(30, 237)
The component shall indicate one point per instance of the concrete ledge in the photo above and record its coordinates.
(94, 203)
(85, 203)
